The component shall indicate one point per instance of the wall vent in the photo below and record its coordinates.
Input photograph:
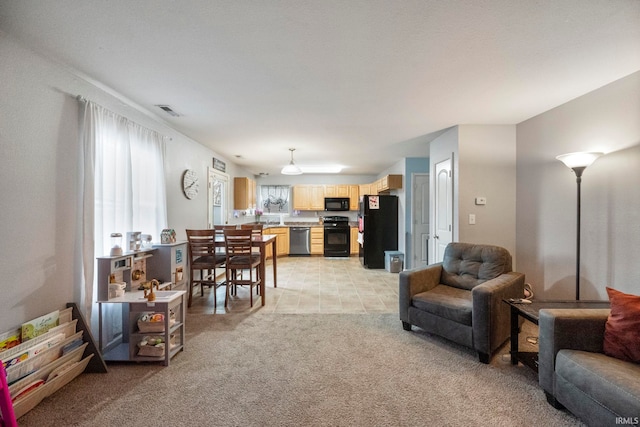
(168, 110)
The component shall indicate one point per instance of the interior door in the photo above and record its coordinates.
(443, 209)
(420, 215)
(218, 198)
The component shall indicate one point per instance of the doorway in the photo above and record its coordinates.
(443, 209)
(218, 199)
(420, 220)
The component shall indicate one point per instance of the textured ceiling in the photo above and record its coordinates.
(362, 83)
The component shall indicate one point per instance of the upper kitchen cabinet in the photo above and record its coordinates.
(244, 193)
(389, 182)
(308, 197)
(336, 191)
(365, 189)
(311, 197)
(354, 197)
(383, 185)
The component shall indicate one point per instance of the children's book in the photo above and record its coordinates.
(40, 325)
(10, 339)
(58, 338)
(29, 388)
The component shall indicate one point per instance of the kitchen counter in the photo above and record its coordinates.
(303, 224)
(295, 224)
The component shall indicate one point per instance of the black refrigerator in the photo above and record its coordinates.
(378, 229)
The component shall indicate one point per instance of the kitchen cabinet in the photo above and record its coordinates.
(282, 241)
(354, 197)
(308, 197)
(244, 193)
(389, 182)
(330, 191)
(365, 189)
(311, 197)
(383, 185)
(339, 190)
(301, 198)
(355, 246)
(317, 240)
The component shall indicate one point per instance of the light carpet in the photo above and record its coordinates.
(265, 369)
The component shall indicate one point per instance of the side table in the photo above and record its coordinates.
(531, 312)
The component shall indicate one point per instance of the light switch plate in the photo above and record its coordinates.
(472, 219)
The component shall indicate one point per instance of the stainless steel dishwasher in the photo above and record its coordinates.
(299, 241)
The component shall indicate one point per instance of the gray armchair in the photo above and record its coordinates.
(460, 298)
(575, 373)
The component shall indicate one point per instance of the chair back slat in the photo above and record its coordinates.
(238, 242)
(255, 228)
(201, 243)
(219, 229)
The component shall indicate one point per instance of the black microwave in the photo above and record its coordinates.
(336, 203)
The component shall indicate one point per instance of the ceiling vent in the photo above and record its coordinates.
(168, 110)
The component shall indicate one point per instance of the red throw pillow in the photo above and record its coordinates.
(622, 330)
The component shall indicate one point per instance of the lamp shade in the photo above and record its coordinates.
(291, 168)
(578, 160)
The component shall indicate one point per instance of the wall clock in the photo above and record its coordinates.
(190, 185)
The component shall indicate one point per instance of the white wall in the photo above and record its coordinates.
(38, 170)
(487, 168)
(607, 120)
(182, 213)
(484, 159)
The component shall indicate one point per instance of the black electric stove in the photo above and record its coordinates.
(337, 234)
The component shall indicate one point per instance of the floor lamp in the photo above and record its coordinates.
(578, 162)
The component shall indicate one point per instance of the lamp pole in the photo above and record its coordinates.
(578, 162)
(578, 171)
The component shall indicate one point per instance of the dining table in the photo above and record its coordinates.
(262, 242)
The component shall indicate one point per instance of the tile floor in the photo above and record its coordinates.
(313, 285)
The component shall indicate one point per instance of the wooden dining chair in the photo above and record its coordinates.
(204, 259)
(240, 257)
(255, 228)
(219, 229)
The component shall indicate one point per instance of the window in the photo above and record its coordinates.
(122, 189)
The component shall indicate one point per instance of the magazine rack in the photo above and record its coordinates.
(27, 382)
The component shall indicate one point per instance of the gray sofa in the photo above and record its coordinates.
(460, 298)
(576, 374)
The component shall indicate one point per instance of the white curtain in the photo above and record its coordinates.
(123, 186)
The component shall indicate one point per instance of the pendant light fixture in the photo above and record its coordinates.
(291, 168)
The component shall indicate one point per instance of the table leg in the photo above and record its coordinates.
(99, 329)
(263, 277)
(514, 335)
(275, 258)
